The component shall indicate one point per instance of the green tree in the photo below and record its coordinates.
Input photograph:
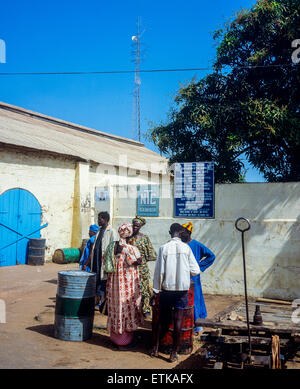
(248, 107)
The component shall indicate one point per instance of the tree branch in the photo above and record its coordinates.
(242, 152)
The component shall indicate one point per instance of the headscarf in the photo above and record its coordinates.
(94, 228)
(125, 230)
(188, 226)
(140, 220)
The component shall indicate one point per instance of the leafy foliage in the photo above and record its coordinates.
(249, 105)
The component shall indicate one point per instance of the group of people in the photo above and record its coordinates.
(123, 278)
(122, 274)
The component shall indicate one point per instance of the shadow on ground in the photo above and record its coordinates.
(44, 329)
(53, 281)
(193, 362)
(142, 339)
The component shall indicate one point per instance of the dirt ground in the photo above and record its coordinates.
(27, 341)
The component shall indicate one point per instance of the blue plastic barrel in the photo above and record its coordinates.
(75, 305)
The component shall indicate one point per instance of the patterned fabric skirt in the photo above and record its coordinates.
(123, 300)
(145, 287)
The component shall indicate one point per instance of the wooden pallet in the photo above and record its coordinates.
(232, 339)
(229, 330)
(277, 319)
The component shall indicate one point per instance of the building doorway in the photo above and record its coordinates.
(20, 220)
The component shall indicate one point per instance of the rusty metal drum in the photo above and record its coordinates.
(75, 305)
(186, 335)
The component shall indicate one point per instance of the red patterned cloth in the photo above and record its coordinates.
(123, 293)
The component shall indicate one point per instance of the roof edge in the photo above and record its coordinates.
(71, 156)
(73, 126)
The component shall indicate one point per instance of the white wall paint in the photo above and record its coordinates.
(51, 180)
(272, 244)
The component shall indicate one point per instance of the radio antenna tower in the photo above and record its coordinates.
(136, 39)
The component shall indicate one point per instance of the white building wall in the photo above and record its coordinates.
(272, 243)
(51, 180)
(65, 189)
(116, 178)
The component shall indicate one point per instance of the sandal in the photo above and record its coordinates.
(173, 357)
(153, 353)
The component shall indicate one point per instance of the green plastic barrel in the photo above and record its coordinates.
(67, 255)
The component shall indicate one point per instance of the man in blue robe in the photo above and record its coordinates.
(92, 234)
(205, 258)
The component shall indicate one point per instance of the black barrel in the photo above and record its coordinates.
(36, 252)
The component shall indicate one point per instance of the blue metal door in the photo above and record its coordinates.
(20, 220)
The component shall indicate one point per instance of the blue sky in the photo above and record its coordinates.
(65, 35)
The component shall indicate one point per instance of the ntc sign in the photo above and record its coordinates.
(148, 200)
(194, 194)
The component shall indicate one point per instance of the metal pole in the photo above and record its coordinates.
(243, 230)
(246, 295)
(138, 86)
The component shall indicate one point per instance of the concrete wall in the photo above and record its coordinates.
(65, 189)
(111, 177)
(50, 179)
(272, 243)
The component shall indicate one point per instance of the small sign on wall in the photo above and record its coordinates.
(101, 194)
(148, 200)
(102, 200)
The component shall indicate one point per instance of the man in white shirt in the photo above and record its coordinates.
(172, 277)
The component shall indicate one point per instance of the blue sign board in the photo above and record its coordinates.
(194, 194)
(148, 200)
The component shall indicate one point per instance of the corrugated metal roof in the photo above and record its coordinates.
(20, 127)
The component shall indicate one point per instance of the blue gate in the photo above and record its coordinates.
(20, 220)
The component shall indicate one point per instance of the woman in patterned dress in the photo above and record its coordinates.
(123, 290)
(143, 243)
